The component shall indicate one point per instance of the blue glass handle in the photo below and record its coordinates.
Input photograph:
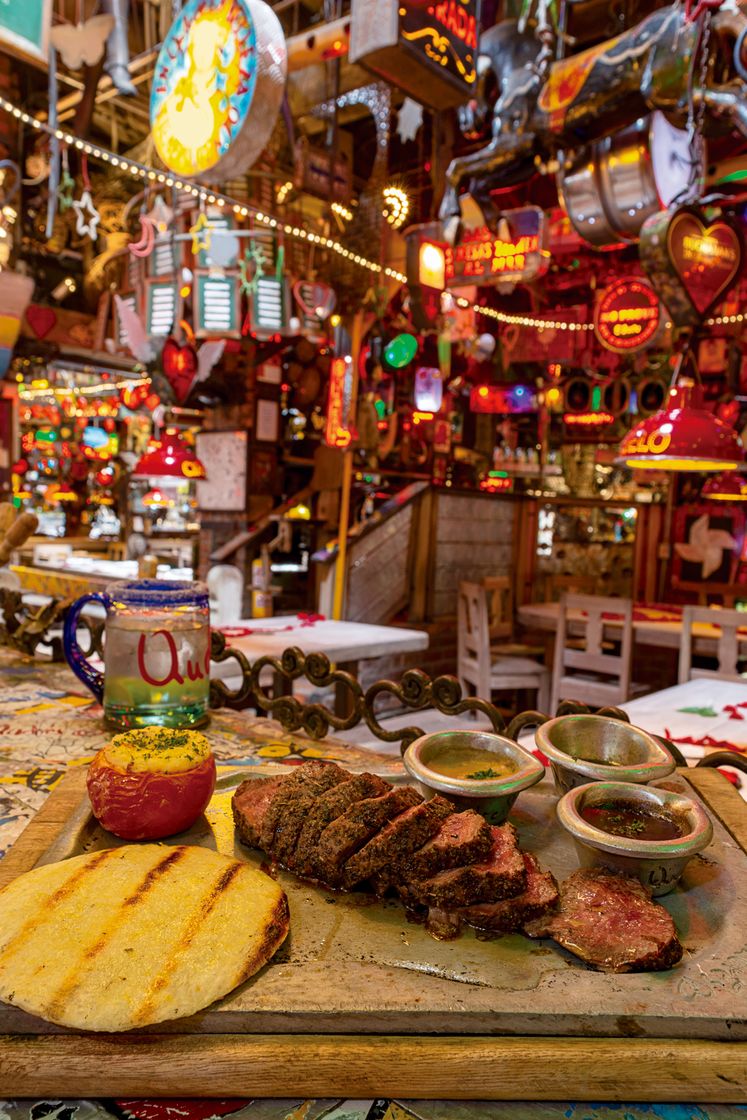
(76, 659)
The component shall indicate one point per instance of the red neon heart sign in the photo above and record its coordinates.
(707, 259)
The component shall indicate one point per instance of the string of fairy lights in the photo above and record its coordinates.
(154, 177)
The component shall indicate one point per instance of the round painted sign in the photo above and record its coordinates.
(217, 88)
(627, 316)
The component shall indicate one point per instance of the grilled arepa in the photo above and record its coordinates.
(134, 935)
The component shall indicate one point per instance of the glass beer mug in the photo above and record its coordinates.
(156, 653)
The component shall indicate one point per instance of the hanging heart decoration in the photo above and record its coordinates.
(315, 300)
(691, 263)
(180, 367)
(41, 319)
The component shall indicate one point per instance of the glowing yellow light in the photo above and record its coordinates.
(552, 396)
(432, 271)
(396, 206)
(334, 320)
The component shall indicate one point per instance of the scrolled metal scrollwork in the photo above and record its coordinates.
(24, 628)
(220, 695)
(315, 719)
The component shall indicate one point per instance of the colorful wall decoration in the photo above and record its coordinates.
(426, 47)
(218, 86)
(627, 316)
(484, 258)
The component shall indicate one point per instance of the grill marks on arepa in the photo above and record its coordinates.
(59, 999)
(136, 935)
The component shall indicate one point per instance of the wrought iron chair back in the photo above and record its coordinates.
(415, 691)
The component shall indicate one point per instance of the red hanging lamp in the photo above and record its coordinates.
(169, 457)
(682, 436)
(727, 487)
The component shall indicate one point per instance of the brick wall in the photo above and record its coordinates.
(474, 539)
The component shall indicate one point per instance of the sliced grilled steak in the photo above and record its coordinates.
(292, 803)
(462, 838)
(287, 812)
(327, 808)
(501, 875)
(539, 898)
(611, 923)
(402, 835)
(250, 804)
(341, 839)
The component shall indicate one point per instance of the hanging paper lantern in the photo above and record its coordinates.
(429, 389)
(400, 351)
(156, 499)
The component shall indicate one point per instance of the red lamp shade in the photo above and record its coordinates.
(726, 487)
(682, 437)
(169, 458)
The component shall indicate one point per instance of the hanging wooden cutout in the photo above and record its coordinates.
(691, 263)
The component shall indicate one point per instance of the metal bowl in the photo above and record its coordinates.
(492, 798)
(657, 863)
(613, 750)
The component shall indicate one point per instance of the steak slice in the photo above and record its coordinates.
(344, 836)
(463, 838)
(402, 835)
(327, 808)
(539, 898)
(250, 804)
(611, 923)
(501, 875)
(287, 812)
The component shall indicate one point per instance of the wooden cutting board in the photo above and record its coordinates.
(371, 1004)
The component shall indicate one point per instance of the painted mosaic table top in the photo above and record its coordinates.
(47, 724)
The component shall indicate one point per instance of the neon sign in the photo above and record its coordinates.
(481, 257)
(218, 86)
(338, 430)
(428, 48)
(627, 316)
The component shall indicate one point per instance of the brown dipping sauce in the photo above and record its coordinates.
(631, 820)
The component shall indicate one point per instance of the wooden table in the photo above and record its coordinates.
(344, 643)
(647, 628)
(48, 724)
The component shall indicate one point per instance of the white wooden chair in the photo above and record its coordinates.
(593, 674)
(728, 641)
(226, 590)
(477, 669)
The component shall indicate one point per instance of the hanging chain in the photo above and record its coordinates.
(696, 92)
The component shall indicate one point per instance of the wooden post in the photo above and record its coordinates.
(347, 478)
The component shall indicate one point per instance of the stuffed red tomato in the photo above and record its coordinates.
(152, 782)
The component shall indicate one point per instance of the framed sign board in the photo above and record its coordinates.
(24, 28)
(225, 456)
(428, 48)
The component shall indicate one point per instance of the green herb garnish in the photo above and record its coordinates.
(479, 775)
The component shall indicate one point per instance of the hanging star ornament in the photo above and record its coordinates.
(65, 190)
(247, 283)
(409, 120)
(706, 546)
(87, 216)
(202, 234)
(160, 215)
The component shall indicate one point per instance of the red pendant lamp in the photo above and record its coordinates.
(682, 436)
(727, 487)
(169, 457)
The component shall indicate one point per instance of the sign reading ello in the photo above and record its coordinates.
(627, 316)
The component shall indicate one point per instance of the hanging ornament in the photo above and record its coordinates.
(82, 44)
(179, 366)
(87, 216)
(144, 247)
(409, 120)
(202, 234)
(429, 389)
(400, 351)
(315, 300)
(160, 215)
(254, 256)
(66, 187)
